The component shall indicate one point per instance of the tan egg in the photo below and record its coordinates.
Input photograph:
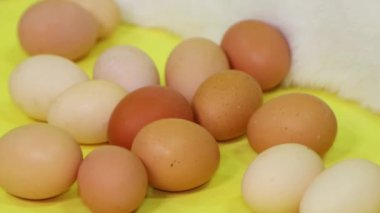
(293, 118)
(57, 27)
(178, 154)
(36, 82)
(278, 177)
(112, 179)
(38, 161)
(128, 66)
(191, 62)
(84, 110)
(224, 103)
(105, 11)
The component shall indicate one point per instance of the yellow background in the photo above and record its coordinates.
(358, 133)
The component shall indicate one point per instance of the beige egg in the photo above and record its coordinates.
(84, 110)
(38, 161)
(36, 82)
(112, 179)
(191, 62)
(278, 177)
(105, 11)
(128, 66)
(349, 186)
(225, 101)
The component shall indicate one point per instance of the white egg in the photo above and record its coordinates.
(351, 186)
(277, 178)
(37, 81)
(84, 110)
(127, 66)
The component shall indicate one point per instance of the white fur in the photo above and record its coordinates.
(335, 44)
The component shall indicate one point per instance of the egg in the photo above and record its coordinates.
(37, 81)
(143, 106)
(178, 154)
(112, 179)
(127, 66)
(349, 186)
(224, 103)
(278, 177)
(38, 161)
(105, 11)
(259, 49)
(57, 27)
(293, 118)
(191, 62)
(84, 110)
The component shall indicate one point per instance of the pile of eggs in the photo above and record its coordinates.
(167, 136)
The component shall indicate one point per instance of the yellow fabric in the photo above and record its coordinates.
(358, 132)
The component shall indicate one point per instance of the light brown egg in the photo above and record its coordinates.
(38, 161)
(57, 27)
(191, 62)
(293, 118)
(178, 154)
(259, 49)
(225, 101)
(112, 179)
(105, 11)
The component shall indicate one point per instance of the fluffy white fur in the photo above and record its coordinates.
(335, 44)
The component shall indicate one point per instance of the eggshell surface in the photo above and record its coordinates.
(38, 161)
(225, 101)
(37, 81)
(128, 66)
(178, 154)
(141, 107)
(349, 186)
(259, 49)
(277, 178)
(293, 118)
(57, 27)
(84, 110)
(112, 179)
(191, 62)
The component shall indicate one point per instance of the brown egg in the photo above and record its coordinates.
(57, 27)
(191, 62)
(258, 49)
(38, 161)
(178, 154)
(112, 179)
(224, 103)
(105, 11)
(141, 107)
(293, 118)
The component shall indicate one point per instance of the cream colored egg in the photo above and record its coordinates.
(127, 66)
(84, 110)
(38, 161)
(37, 81)
(351, 186)
(105, 11)
(276, 180)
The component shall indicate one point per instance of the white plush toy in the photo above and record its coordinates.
(335, 44)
